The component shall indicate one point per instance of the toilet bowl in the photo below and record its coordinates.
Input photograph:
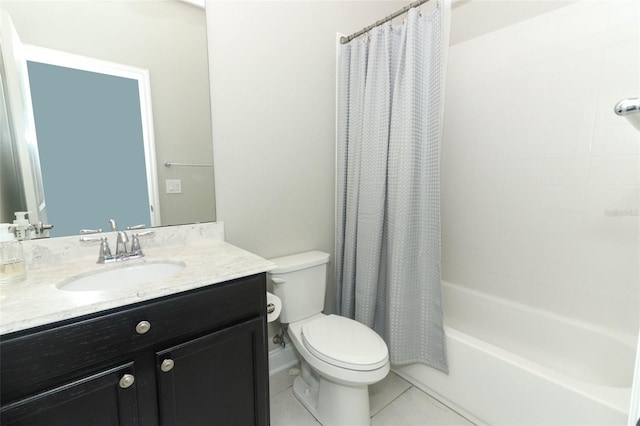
(340, 357)
(335, 378)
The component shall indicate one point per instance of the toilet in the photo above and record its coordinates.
(340, 357)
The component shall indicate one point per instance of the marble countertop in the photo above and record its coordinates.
(37, 301)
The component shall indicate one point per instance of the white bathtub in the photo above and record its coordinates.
(510, 364)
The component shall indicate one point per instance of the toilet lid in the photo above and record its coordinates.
(345, 343)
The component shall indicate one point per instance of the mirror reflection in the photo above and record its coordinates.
(167, 38)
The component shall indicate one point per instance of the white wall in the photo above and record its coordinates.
(473, 18)
(541, 180)
(532, 158)
(272, 67)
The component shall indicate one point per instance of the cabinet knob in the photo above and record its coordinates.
(143, 327)
(126, 381)
(167, 365)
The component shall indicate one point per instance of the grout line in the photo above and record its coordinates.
(411, 386)
(391, 402)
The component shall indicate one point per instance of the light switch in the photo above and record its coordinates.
(174, 186)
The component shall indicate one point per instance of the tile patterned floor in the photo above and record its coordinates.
(394, 402)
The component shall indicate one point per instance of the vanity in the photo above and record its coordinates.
(186, 350)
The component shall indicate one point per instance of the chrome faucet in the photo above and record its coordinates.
(105, 256)
(121, 245)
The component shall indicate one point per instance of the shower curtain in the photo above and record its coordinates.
(388, 185)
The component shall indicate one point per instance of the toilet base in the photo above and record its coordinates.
(332, 404)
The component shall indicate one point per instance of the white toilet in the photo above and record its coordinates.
(340, 357)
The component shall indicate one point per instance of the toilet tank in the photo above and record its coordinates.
(299, 280)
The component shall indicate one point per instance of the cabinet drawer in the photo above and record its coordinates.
(37, 360)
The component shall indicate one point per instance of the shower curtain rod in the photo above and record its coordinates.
(344, 40)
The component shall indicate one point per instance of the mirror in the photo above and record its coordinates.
(167, 38)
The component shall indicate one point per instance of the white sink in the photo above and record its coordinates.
(119, 277)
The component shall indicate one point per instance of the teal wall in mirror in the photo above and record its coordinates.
(89, 124)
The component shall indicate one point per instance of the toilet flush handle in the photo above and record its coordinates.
(278, 280)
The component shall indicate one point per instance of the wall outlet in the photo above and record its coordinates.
(174, 186)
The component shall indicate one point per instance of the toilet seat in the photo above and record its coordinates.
(345, 343)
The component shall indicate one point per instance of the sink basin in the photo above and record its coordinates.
(120, 277)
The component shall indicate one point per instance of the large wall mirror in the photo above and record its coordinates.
(165, 37)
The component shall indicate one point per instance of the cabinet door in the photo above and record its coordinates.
(107, 398)
(218, 379)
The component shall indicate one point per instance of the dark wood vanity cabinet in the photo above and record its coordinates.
(189, 359)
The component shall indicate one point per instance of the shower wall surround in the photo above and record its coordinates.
(540, 179)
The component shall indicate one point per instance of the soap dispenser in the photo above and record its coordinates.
(12, 267)
(23, 228)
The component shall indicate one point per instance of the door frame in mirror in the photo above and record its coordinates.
(84, 63)
(21, 128)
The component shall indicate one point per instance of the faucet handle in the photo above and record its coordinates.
(92, 239)
(136, 250)
(141, 226)
(145, 234)
(105, 251)
(135, 246)
(90, 231)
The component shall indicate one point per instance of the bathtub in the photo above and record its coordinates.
(510, 364)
